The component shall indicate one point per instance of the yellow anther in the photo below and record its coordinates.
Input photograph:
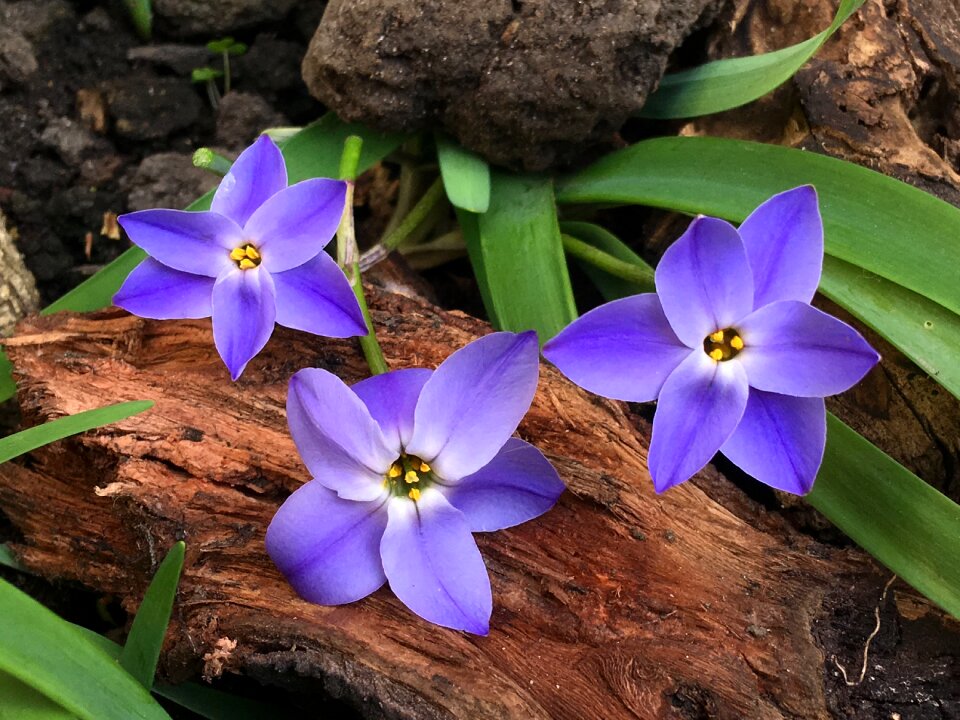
(411, 477)
(736, 342)
(395, 470)
(251, 252)
(424, 467)
(414, 494)
(716, 354)
(247, 264)
(717, 337)
(238, 254)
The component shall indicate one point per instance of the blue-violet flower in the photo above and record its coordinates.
(406, 465)
(255, 258)
(729, 346)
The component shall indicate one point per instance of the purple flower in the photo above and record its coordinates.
(729, 346)
(406, 465)
(254, 259)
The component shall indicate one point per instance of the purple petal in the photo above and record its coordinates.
(152, 290)
(194, 242)
(255, 176)
(294, 225)
(433, 564)
(623, 350)
(474, 401)
(784, 242)
(317, 298)
(243, 313)
(391, 399)
(780, 440)
(328, 548)
(519, 484)
(699, 408)
(339, 441)
(792, 348)
(704, 281)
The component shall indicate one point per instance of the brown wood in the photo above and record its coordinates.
(616, 604)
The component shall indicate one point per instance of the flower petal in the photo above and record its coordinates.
(339, 441)
(193, 242)
(699, 408)
(623, 350)
(780, 440)
(474, 401)
(317, 298)
(152, 290)
(328, 548)
(433, 565)
(255, 176)
(704, 280)
(294, 225)
(794, 349)
(243, 313)
(391, 399)
(784, 242)
(519, 484)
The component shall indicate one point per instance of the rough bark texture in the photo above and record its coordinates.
(527, 84)
(18, 289)
(616, 604)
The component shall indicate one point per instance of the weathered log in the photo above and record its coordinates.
(616, 604)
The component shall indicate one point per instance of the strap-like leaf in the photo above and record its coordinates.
(466, 176)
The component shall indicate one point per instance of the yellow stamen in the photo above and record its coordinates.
(414, 494)
(717, 337)
(251, 252)
(395, 470)
(716, 354)
(411, 477)
(424, 467)
(736, 342)
(238, 254)
(247, 264)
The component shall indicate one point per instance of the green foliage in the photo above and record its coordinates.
(726, 84)
(227, 46)
(898, 240)
(141, 15)
(205, 74)
(19, 701)
(466, 176)
(142, 649)
(32, 438)
(7, 558)
(8, 387)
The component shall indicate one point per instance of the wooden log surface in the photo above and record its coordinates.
(618, 603)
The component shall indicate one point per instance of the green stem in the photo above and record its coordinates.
(348, 255)
(209, 160)
(226, 72)
(417, 215)
(642, 276)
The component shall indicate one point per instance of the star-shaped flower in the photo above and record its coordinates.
(406, 465)
(729, 346)
(254, 259)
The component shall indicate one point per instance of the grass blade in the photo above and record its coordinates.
(726, 84)
(32, 438)
(142, 649)
(8, 388)
(466, 176)
(19, 701)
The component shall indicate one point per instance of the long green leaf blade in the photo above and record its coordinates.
(466, 176)
(51, 656)
(8, 388)
(32, 438)
(609, 286)
(7, 558)
(523, 261)
(142, 649)
(726, 84)
(902, 521)
(19, 701)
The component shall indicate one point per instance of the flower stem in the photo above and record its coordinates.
(640, 275)
(417, 215)
(348, 256)
(209, 160)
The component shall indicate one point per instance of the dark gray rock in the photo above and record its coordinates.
(17, 59)
(270, 65)
(241, 117)
(145, 107)
(209, 18)
(166, 180)
(182, 59)
(70, 139)
(526, 83)
(34, 20)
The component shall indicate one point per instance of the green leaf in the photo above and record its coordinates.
(19, 701)
(466, 176)
(902, 521)
(873, 222)
(141, 15)
(205, 74)
(726, 84)
(32, 438)
(470, 229)
(142, 649)
(52, 657)
(7, 558)
(312, 152)
(8, 388)
(523, 264)
(610, 286)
